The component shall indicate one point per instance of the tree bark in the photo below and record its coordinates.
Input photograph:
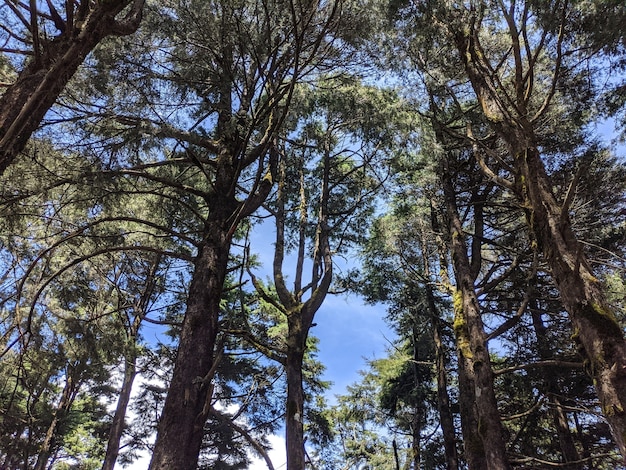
(294, 419)
(475, 372)
(443, 398)
(596, 329)
(188, 402)
(24, 103)
(117, 426)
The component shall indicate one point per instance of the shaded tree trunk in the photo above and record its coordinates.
(294, 419)
(65, 403)
(117, 426)
(475, 372)
(443, 398)
(54, 62)
(188, 402)
(596, 330)
(130, 370)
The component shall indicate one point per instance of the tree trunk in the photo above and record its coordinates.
(181, 426)
(294, 428)
(130, 366)
(24, 104)
(65, 403)
(474, 360)
(117, 426)
(446, 417)
(443, 399)
(596, 329)
(299, 324)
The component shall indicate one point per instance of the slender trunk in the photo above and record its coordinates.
(24, 104)
(294, 427)
(65, 403)
(181, 426)
(416, 447)
(472, 344)
(117, 426)
(396, 456)
(130, 367)
(443, 399)
(559, 417)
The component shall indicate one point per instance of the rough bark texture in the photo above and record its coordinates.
(188, 402)
(187, 405)
(24, 104)
(294, 428)
(596, 330)
(473, 353)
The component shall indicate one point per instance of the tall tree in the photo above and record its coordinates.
(243, 60)
(524, 72)
(328, 174)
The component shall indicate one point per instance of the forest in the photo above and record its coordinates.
(184, 184)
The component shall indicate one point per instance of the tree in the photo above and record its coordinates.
(399, 270)
(328, 175)
(242, 61)
(56, 44)
(87, 259)
(518, 77)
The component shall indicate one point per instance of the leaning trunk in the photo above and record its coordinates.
(596, 329)
(130, 370)
(188, 401)
(24, 104)
(117, 426)
(65, 403)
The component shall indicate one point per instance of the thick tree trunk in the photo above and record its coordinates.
(298, 322)
(474, 358)
(181, 426)
(117, 426)
(294, 428)
(473, 448)
(24, 104)
(596, 329)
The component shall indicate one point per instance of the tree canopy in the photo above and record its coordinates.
(185, 185)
